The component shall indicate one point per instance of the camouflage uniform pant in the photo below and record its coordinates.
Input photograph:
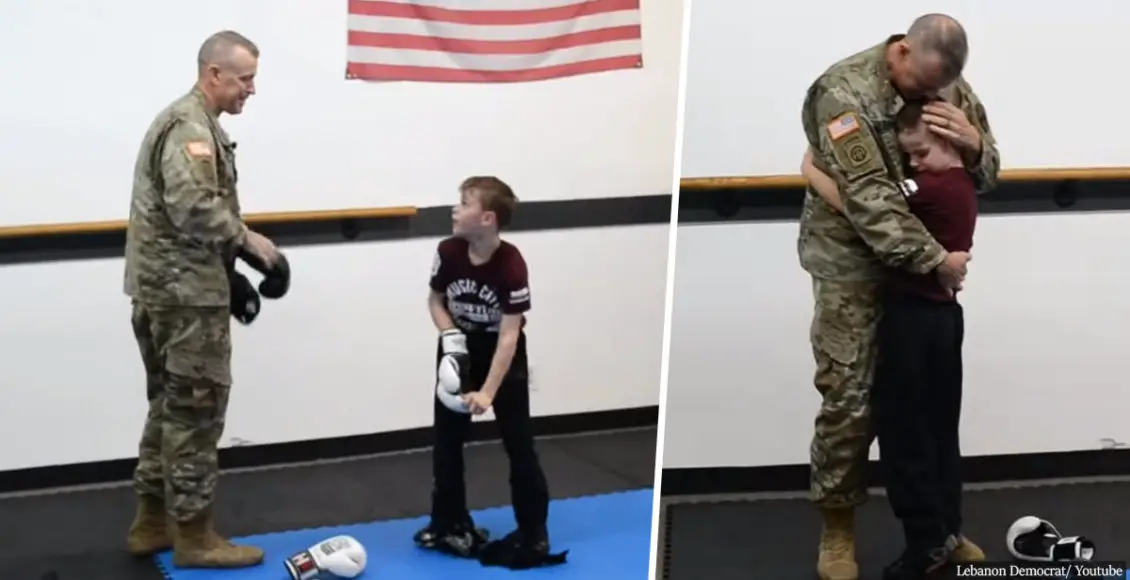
(187, 357)
(843, 339)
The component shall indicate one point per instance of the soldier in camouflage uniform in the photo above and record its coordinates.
(848, 118)
(184, 228)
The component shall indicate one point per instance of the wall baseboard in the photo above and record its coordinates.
(115, 470)
(977, 469)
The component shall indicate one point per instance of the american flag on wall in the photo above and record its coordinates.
(491, 41)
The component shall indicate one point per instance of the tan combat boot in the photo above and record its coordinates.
(149, 532)
(837, 546)
(197, 545)
(967, 552)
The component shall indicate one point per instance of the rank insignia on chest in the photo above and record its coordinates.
(908, 187)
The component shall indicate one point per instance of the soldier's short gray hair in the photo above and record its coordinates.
(943, 36)
(218, 48)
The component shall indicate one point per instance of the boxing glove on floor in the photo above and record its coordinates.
(453, 371)
(245, 302)
(1035, 540)
(276, 279)
(337, 557)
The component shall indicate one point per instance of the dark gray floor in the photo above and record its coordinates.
(777, 539)
(78, 535)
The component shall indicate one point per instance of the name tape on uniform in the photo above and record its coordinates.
(1048, 570)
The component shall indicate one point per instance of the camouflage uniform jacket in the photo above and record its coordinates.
(184, 220)
(849, 121)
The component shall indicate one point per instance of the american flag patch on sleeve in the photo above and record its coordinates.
(843, 126)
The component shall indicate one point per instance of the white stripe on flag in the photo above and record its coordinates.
(507, 5)
(493, 62)
(411, 26)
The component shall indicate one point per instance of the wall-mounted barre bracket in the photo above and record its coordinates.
(1066, 193)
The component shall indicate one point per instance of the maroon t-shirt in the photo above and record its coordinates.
(946, 203)
(478, 295)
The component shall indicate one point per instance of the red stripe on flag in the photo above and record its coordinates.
(383, 72)
(458, 45)
(489, 17)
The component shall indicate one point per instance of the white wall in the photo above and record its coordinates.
(91, 76)
(351, 349)
(748, 70)
(1045, 354)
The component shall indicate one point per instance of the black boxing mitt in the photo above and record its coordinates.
(276, 280)
(244, 299)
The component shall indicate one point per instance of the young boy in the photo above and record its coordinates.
(479, 296)
(916, 396)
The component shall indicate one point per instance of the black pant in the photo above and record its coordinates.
(916, 401)
(529, 492)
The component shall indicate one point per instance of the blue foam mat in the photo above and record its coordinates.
(608, 536)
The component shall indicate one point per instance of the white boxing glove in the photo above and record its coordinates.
(337, 557)
(452, 399)
(1036, 540)
(453, 369)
